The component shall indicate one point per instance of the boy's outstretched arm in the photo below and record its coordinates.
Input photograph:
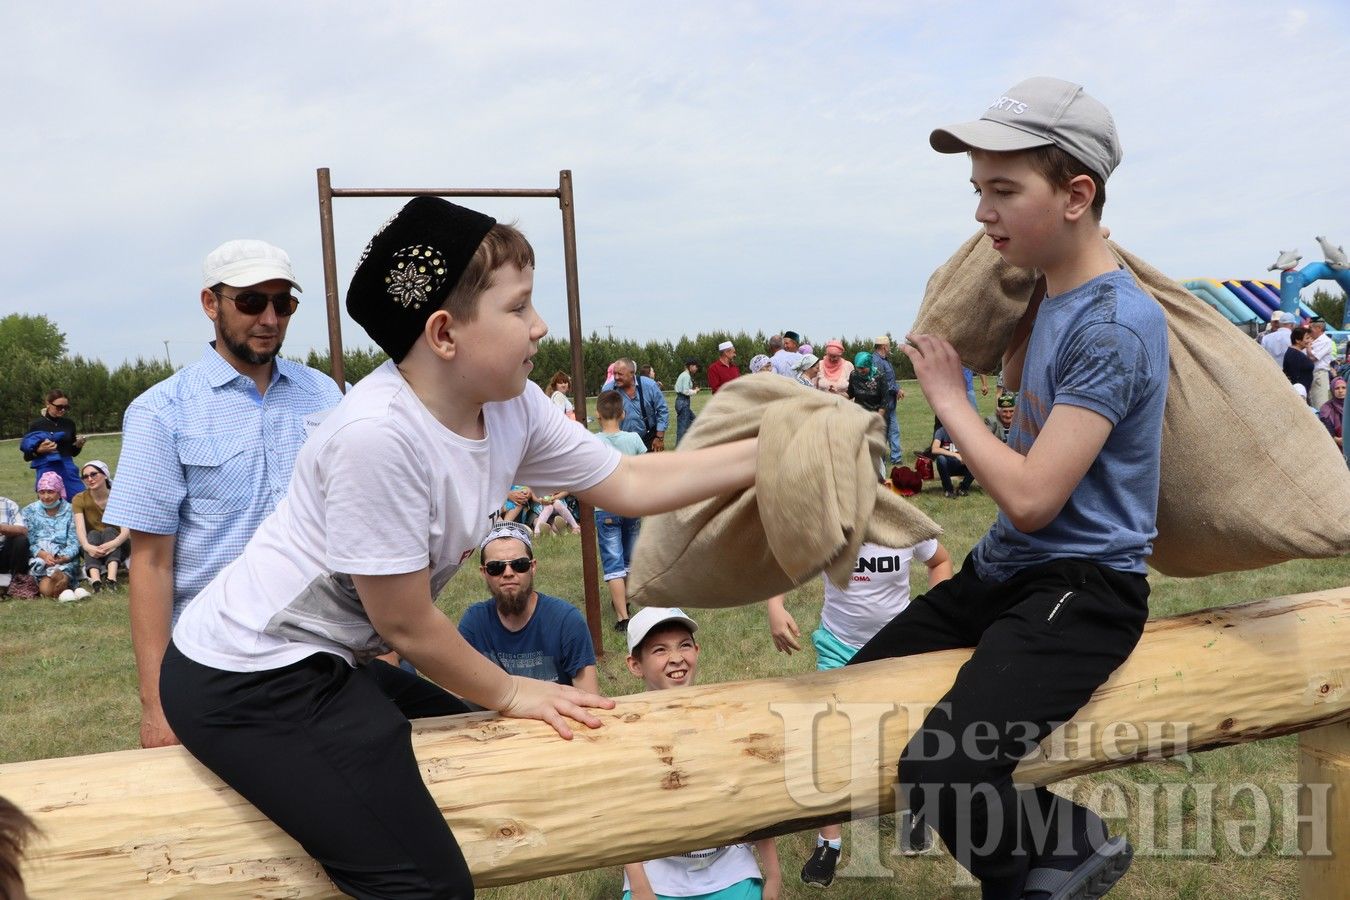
(659, 482)
(401, 610)
(1031, 489)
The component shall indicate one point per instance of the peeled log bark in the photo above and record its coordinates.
(735, 759)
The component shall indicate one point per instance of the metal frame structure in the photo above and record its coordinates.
(563, 194)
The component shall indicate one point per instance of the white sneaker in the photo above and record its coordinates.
(81, 593)
(66, 596)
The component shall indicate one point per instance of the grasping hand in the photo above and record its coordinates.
(938, 368)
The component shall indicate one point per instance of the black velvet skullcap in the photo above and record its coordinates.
(410, 266)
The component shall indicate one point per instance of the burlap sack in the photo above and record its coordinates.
(815, 500)
(1250, 477)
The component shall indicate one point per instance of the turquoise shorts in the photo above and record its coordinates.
(831, 653)
(749, 889)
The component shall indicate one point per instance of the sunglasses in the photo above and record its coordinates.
(60, 407)
(88, 475)
(497, 567)
(252, 303)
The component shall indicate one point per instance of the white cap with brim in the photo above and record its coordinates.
(647, 618)
(726, 345)
(246, 263)
(1040, 112)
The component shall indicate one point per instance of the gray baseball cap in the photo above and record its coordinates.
(1040, 112)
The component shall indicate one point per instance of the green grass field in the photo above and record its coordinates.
(69, 687)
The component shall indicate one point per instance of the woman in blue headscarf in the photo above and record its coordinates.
(865, 387)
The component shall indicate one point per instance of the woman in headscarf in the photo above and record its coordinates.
(760, 363)
(105, 546)
(52, 540)
(1333, 411)
(807, 368)
(865, 387)
(834, 369)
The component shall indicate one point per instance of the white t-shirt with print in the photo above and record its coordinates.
(878, 591)
(700, 872)
(380, 488)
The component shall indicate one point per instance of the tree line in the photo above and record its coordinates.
(33, 360)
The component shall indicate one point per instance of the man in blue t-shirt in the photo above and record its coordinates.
(523, 631)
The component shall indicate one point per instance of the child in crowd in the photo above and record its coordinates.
(877, 592)
(550, 505)
(559, 387)
(1054, 598)
(662, 652)
(271, 679)
(53, 542)
(617, 535)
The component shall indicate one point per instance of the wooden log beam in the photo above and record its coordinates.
(740, 759)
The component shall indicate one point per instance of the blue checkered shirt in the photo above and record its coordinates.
(206, 459)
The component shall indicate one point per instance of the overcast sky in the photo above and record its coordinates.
(736, 165)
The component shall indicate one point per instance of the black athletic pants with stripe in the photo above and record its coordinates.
(1044, 641)
(325, 752)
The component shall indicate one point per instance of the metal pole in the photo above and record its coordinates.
(330, 290)
(589, 581)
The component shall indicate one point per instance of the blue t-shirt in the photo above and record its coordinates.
(1101, 346)
(553, 646)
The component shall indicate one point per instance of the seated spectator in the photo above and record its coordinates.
(559, 387)
(807, 367)
(105, 546)
(663, 653)
(525, 632)
(1333, 411)
(52, 541)
(550, 505)
(834, 369)
(865, 384)
(949, 463)
(1298, 365)
(14, 555)
(1005, 408)
(50, 443)
(518, 506)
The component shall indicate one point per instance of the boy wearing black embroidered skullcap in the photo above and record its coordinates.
(271, 679)
(1055, 596)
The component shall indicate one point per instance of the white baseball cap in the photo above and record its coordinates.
(246, 263)
(1040, 112)
(726, 345)
(647, 618)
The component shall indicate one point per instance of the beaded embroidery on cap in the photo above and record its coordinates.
(418, 273)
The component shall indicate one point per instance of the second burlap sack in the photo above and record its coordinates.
(1250, 477)
(815, 499)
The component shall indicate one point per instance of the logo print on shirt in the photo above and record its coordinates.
(1055, 611)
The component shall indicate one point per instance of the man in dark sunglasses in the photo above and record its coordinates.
(208, 452)
(523, 631)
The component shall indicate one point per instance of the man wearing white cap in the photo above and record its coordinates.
(1276, 341)
(724, 368)
(208, 452)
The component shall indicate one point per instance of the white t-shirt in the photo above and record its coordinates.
(1323, 349)
(380, 488)
(877, 592)
(561, 401)
(700, 872)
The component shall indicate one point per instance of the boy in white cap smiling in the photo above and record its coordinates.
(1055, 596)
(662, 652)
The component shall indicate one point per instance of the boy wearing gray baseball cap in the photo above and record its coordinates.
(1054, 597)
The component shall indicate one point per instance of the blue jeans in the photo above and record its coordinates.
(684, 416)
(947, 467)
(617, 535)
(893, 437)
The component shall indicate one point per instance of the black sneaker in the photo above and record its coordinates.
(915, 838)
(963, 492)
(819, 869)
(621, 626)
(950, 495)
(96, 586)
